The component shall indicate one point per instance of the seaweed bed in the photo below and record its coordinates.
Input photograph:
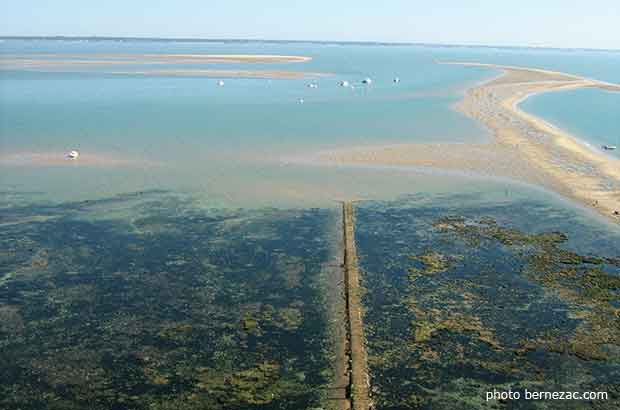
(169, 307)
(147, 301)
(463, 300)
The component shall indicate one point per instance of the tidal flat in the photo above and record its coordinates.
(461, 300)
(168, 307)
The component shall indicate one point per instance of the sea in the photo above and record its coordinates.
(186, 260)
(229, 144)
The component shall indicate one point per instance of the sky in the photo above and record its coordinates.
(553, 23)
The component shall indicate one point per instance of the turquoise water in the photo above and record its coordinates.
(227, 143)
(185, 275)
(595, 122)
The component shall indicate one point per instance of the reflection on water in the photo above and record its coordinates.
(465, 299)
(169, 307)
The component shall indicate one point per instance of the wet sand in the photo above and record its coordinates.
(69, 62)
(43, 159)
(55, 60)
(524, 147)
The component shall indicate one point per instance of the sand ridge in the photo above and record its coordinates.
(524, 147)
(151, 58)
(70, 62)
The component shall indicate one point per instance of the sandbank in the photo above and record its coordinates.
(13, 62)
(524, 147)
(70, 62)
(210, 58)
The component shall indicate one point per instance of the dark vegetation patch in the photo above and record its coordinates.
(461, 301)
(171, 308)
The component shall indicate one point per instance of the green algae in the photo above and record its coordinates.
(250, 325)
(259, 385)
(599, 286)
(174, 308)
(486, 305)
(11, 321)
(289, 319)
(432, 263)
(425, 330)
(571, 277)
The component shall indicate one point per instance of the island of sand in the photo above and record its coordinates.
(524, 147)
(110, 63)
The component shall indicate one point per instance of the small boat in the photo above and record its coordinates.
(313, 85)
(73, 154)
(367, 81)
(396, 80)
(344, 83)
(609, 147)
(220, 83)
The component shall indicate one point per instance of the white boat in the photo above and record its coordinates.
(609, 147)
(73, 154)
(220, 83)
(344, 83)
(367, 81)
(396, 80)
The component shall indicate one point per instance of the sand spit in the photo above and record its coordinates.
(106, 62)
(45, 159)
(203, 58)
(16, 62)
(525, 147)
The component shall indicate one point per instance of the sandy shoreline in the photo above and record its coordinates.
(69, 62)
(524, 148)
(60, 59)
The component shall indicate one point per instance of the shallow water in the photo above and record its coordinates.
(589, 114)
(164, 307)
(155, 300)
(464, 297)
(186, 133)
(192, 275)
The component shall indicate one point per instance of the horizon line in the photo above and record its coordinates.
(336, 42)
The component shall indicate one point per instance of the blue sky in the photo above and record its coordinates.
(567, 23)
